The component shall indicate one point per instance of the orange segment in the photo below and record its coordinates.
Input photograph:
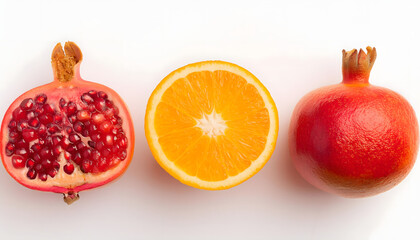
(211, 125)
(202, 87)
(175, 144)
(178, 121)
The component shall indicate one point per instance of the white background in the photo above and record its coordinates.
(291, 46)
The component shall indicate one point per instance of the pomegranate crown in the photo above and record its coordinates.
(64, 62)
(357, 65)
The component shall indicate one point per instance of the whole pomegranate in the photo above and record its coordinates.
(354, 139)
(69, 135)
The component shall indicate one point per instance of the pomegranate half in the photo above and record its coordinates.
(69, 135)
(354, 139)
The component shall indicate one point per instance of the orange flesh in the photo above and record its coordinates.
(212, 125)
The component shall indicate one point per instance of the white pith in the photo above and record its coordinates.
(214, 123)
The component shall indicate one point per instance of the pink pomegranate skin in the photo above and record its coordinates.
(354, 139)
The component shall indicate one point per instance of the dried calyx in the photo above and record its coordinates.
(357, 65)
(64, 62)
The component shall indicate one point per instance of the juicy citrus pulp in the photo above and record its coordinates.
(211, 125)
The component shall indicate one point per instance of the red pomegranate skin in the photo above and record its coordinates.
(354, 139)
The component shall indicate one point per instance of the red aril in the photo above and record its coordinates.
(354, 139)
(69, 135)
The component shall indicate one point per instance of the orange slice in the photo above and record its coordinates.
(211, 125)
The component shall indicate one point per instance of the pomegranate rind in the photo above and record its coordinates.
(354, 139)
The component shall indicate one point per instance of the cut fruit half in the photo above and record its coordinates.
(211, 125)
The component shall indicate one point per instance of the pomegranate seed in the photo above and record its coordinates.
(22, 125)
(10, 149)
(71, 148)
(116, 110)
(116, 120)
(86, 166)
(103, 165)
(46, 118)
(22, 152)
(95, 155)
(14, 136)
(31, 174)
(105, 152)
(53, 129)
(91, 107)
(92, 93)
(67, 156)
(27, 104)
(52, 172)
(22, 144)
(45, 152)
(68, 168)
(43, 177)
(93, 128)
(29, 135)
(42, 130)
(46, 164)
(102, 94)
(36, 147)
(106, 126)
(38, 167)
(19, 114)
(114, 161)
(71, 108)
(85, 133)
(48, 140)
(78, 127)
(95, 137)
(83, 115)
(100, 146)
(109, 103)
(65, 142)
(98, 118)
(12, 124)
(30, 163)
(18, 161)
(34, 122)
(68, 130)
(100, 104)
(58, 118)
(77, 158)
(109, 113)
(56, 165)
(41, 98)
(81, 145)
(74, 138)
(56, 140)
(30, 115)
(72, 118)
(62, 102)
(39, 109)
(122, 142)
(123, 155)
(48, 109)
(36, 157)
(57, 150)
(109, 140)
(115, 149)
(86, 153)
(86, 98)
